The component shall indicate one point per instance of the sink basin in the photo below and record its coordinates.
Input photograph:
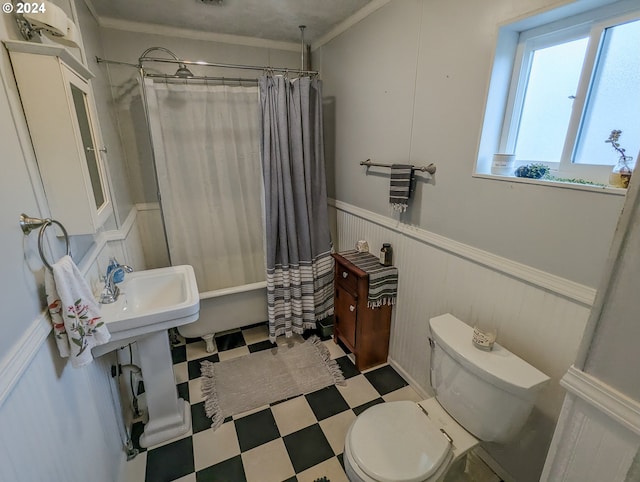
(152, 300)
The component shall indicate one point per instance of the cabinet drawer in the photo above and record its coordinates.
(347, 278)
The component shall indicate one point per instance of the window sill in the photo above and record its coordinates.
(614, 191)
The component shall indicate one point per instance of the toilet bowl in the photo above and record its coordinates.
(404, 442)
(479, 395)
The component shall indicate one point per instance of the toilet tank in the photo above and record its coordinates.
(489, 393)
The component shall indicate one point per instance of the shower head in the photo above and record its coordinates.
(183, 71)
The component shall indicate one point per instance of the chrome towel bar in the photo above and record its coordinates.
(28, 224)
(431, 168)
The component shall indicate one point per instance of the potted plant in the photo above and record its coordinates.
(534, 170)
(621, 172)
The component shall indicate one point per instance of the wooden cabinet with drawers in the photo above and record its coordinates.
(365, 331)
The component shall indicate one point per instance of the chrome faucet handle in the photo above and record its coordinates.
(109, 295)
(111, 290)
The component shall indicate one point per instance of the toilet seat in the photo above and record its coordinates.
(397, 442)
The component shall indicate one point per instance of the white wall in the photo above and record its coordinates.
(598, 433)
(409, 83)
(20, 262)
(613, 357)
(61, 423)
(107, 116)
(58, 423)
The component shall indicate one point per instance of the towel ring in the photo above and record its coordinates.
(28, 224)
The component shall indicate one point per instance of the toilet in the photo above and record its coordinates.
(479, 396)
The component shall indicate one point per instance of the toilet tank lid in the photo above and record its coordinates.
(498, 366)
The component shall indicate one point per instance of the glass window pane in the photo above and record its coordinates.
(87, 141)
(553, 80)
(614, 99)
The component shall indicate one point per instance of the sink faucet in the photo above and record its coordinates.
(111, 291)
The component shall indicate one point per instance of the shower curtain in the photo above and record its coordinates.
(206, 148)
(298, 243)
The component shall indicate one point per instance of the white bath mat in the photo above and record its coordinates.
(240, 384)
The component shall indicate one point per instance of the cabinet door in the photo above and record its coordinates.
(89, 143)
(58, 105)
(346, 311)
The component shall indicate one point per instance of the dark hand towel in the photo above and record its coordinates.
(400, 186)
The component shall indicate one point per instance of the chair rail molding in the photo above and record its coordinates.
(616, 405)
(16, 362)
(542, 279)
(598, 433)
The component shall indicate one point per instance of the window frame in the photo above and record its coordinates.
(591, 25)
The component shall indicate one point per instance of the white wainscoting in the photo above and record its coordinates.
(152, 235)
(598, 433)
(541, 318)
(59, 423)
(126, 244)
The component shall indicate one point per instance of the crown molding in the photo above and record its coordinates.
(92, 10)
(349, 22)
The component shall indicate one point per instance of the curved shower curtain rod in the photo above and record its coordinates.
(182, 63)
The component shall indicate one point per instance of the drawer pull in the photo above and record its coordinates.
(345, 274)
(352, 308)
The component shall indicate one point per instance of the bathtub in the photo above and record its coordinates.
(226, 309)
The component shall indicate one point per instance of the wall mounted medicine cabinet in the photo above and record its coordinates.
(59, 108)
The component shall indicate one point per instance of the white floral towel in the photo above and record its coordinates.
(75, 314)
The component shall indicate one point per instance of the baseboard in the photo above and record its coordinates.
(561, 286)
(409, 379)
(493, 464)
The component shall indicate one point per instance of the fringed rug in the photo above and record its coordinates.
(234, 386)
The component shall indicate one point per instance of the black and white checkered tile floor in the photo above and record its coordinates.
(297, 439)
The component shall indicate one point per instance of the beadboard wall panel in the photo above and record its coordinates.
(587, 446)
(59, 423)
(152, 235)
(542, 327)
(541, 324)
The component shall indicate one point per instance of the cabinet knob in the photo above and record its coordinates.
(102, 149)
(352, 308)
(345, 274)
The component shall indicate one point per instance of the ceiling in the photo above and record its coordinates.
(265, 19)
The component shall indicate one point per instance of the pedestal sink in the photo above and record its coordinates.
(150, 303)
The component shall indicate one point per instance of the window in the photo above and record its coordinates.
(573, 81)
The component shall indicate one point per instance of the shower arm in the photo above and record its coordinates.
(144, 57)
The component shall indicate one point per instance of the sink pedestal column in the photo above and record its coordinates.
(169, 416)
